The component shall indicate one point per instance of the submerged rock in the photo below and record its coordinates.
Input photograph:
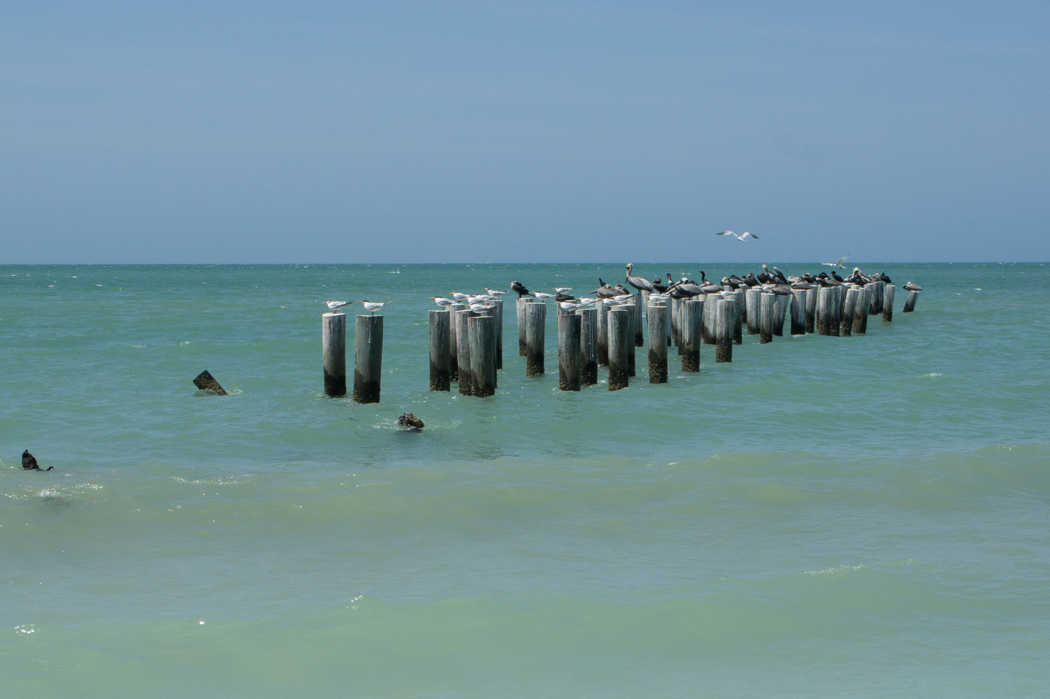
(206, 382)
(410, 421)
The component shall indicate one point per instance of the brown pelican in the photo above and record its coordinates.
(640, 283)
(912, 286)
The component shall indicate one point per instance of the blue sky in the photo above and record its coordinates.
(535, 132)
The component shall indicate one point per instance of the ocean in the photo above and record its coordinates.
(865, 516)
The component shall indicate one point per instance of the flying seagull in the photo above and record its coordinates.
(743, 235)
(836, 264)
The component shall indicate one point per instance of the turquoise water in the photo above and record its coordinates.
(865, 515)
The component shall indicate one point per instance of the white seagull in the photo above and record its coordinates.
(336, 305)
(495, 292)
(442, 301)
(743, 235)
(564, 289)
(373, 306)
(542, 296)
(836, 264)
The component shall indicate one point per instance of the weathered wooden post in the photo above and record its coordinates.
(620, 342)
(887, 302)
(754, 310)
(676, 320)
(726, 309)
(439, 354)
(482, 332)
(497, 313)
(521, 303)
(333, 353)
(812, 295)
(909, 303)
(707, 318)
(535, 330)
(588, 345)
(368, 358)
(850, 295)
(659, 318)
(631, 358)
(569, 327)
(603, 333)
(489, 312)
(860, 311)
(639, 303)
(779, 311)
(766, 309)
(689, 339)
(466, 371)
(876, 297)
(798, 311)
(453, 347)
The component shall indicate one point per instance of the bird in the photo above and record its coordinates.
(442, 301)
(373, 306)
(912, 286)
(542, 296)
(742, 236)
(459, 297)
(495, 292)
(520, 289)
(563, 289)
(336, 305)
(479, 307)
(640, 283)
(29, 463)
(836, 264)
(569, 306)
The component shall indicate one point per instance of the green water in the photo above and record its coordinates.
(864, 515)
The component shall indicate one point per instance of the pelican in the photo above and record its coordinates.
(640, 283)
(520, 289)
(840, 263)
(373, 306)
(336, 305)
(912, 286)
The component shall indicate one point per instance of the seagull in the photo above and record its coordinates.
(569, 306)
(564, 289)
(836, 264)
(373, 306)
(743, 235)
(336, 305)
(458, 296)
(495, 293)
(442, 301)
(542, 296)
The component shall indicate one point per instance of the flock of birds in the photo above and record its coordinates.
(770, 279)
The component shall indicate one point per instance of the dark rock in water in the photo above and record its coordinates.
(29, 462)
(410, 421)
(206, 382)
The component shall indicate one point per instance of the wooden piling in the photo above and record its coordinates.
(779, 311)
(754, 310)
(798, 311)
(482, 333)
(909, 303)
(631, 356)
(812, 295)
(368, 358)
(497, 313)
(333, 353)
(689, 335)
(453, 347)
(520, 304)
(724, 312)
(860, 311)
(659, 318)
(887, 302)
(850, 297)
(569, 327)
(588, 345)
(603, 333)
(738, 317)
(535, 329)
(620, 342)
(676, 320)
(466, 371)
(639, 321)
(766, 309)
(876, 289)
(439, 350)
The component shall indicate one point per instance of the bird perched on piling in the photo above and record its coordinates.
(373, 306)
(336, 305)
(640, 283)
(912, 286)
(520, 289)
(443, 302)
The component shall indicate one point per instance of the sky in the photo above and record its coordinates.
(570, 131)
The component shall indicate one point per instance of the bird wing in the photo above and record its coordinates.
(725, 233)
